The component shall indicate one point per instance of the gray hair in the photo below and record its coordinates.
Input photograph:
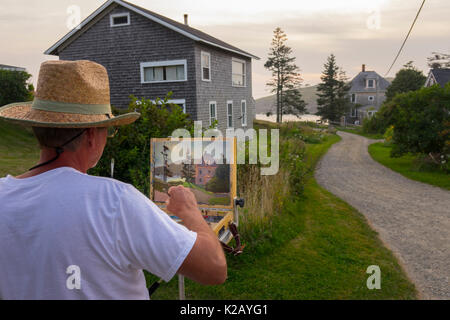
(56, 137)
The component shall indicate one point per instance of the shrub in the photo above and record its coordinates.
(131, 146)
(421, 120)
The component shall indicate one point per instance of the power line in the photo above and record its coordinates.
(406, 39)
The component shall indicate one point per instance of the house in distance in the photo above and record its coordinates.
(438, 76)
(367, 94)
(148, 55)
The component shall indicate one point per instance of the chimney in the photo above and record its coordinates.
(363, 68)
(186, 19)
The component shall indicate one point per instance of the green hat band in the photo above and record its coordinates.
(76, 108)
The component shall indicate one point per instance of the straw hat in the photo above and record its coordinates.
(70, 94)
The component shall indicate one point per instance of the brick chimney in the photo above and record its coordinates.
(363, 68)
(186, 19)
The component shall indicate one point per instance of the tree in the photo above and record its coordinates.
(130, 147)
(188, 171)
(14, 87)
(421, 122)
(286, 78)
(333, 99)
(439, 60)
(407, 79)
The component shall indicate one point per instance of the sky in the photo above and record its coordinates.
(357, 31)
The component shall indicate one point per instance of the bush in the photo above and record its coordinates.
(14, 87)
(131, 146)
(421, 119)
(381, 121)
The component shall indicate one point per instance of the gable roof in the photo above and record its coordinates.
(442, 76)
(358, 84)
(183, 29)
(6, 67)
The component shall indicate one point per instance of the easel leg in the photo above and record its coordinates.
(181, 287)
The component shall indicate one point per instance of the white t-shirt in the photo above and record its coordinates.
(63, 230)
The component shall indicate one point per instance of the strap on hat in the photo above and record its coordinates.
(59, 151)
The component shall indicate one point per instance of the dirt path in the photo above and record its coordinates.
(412, 218)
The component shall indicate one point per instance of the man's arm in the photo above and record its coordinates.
(206, 262)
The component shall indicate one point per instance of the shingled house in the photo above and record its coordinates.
(438, 76)
(11, 68)
(147, 55)
(367, 94)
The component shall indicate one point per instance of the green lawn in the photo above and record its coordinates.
(18, 149)
(405, 166)
(358, 131)
(319, 248)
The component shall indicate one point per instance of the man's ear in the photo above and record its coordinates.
(90, 136)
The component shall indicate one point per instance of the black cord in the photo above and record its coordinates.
(59, 151)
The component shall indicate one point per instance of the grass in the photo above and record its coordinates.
(319, 247)
(406, 166)
(358, 131)
(19, 150)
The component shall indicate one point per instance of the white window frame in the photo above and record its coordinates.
(204, 53)
(245, 72)
(354, 113)
(230, 102)
(374, 84)
(351, 98)
(371, 98)
(180, 102)
(163, 64)
(118, 15)
(244, 116)
(215, 109)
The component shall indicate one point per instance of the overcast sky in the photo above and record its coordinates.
(357, 31)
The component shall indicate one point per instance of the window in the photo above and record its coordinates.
(230, 114)
(371, 98)
(120, 19)
(244, 113)
(212, 112)
(163, 71)
(206, 66)
(371, 83)
(238, 73)
(179, 102)
(354, 113)
(353, 98)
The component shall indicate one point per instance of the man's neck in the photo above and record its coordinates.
(66, 159)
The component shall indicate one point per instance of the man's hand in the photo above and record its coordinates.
(206, 262)
(182, 202)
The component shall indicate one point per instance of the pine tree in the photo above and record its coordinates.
(286, 78)
(332, 92)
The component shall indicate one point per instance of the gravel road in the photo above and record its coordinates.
(412, 218)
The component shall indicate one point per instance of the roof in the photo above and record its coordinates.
(359, 82)
(5, 66)
(442, 76)
(185, 30)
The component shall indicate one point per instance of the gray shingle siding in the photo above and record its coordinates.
(122, 49)
(221, 90)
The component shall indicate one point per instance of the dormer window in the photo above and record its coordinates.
(371, 83)
(120, 19)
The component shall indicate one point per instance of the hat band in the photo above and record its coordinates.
(76, 108)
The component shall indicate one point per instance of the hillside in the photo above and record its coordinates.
(19, 150)
(266, 104)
